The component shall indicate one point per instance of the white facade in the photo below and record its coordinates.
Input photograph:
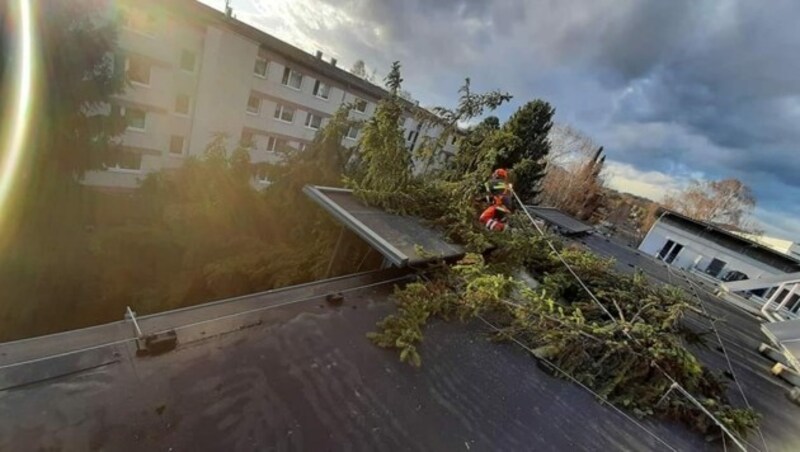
(195, 73)
(691, 251)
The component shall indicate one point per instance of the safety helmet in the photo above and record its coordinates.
(500, 173)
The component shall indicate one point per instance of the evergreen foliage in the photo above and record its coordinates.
(526, 156)
(620, 358)
(195, 234)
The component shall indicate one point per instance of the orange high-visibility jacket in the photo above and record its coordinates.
(494, 218)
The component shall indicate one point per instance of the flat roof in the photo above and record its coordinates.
(286, 370)
(301, 375)
(403, 240)
(732, 241)
(560, 219)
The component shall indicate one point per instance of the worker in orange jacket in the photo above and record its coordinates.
(498, 188)
(495, 217)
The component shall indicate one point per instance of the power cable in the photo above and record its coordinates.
(576, 381)
(697, 297)
(625, 332)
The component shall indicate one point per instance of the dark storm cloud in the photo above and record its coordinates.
(737, 85)
(691, 88)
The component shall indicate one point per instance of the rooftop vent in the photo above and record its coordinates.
(333, 61)
(319, 54)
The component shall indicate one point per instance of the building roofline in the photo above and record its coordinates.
(210, 14)
(731, 236)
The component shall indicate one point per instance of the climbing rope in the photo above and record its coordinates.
(576, 381)
(586, 288)
(724, 349)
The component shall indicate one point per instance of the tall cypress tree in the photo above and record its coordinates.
(531, 124)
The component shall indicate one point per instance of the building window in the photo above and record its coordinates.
(262, 176)
(247, 140)
(715, 267)
(126, 161)
(292, 78)
(275, 144)
(313, 121)
(135, 118)
(670, 251)
(674, 253)
(253, 104)
(453, 140)
(176, 143)
(361, 105)
(138, 70)
(322, 90)
(284, 113)
(188, 60)
(138, 21)
(352, 132)
(410, 135)
(182, 103)
(260, 68)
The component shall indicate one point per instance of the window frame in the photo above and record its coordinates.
(347, 134)
(258, 108)
(282, 108)
(188, 105)
(130, 23)
(262, 180)
(194, 61)
(266, 67)
(309, 124)
(248, 140)
(183, 145)
(119, 169)
(358, 101)
(128, 127)
(287, 77)
(317, 85)
(275, 143)
(146, 84)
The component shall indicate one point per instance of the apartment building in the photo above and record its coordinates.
(196, 72)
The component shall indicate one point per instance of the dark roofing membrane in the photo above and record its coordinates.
(402, 240)
(732, 241)
(303, 376)
(555, 217)
(285, 370)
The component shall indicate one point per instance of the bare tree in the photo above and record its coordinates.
(574, 181)
(359, 69)
(727, 202)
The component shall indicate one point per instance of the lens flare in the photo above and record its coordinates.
(15, 136)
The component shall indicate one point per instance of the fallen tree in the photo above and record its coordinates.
(618, 334)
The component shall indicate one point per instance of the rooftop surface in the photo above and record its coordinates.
(304, 377)
(741, 335)
(567, 224)
(285, 370)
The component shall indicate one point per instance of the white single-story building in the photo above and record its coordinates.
(714, 252)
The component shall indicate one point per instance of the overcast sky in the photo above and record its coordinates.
(674, 90)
